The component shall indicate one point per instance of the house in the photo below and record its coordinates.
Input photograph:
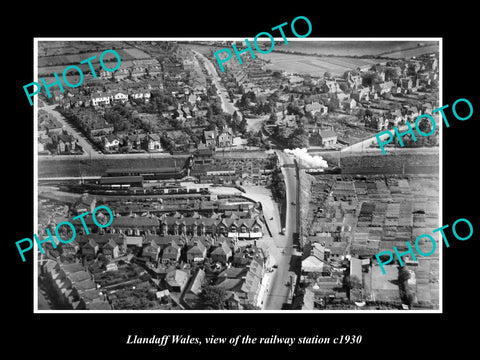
(111, 142)
(253, 281)
(153, 142)
(42, 145)
(69, 142)
(120, 97)
(193, 291)
(312, 263)
(406, 83)
(111, 249)
(133, 141)
(151, 251)
(348, 104)
(231, 227)
(354, 81)
(376, 122)
(232, 273)
(412, 112)
(70, 248)
(192, 99)
(100, 99)
(101, 127)
(203, 156)
(176, 280)
(210, 137)
(232, 301)
(362, 94)
(327, 137)
(396, 89)
(139, 94)
(171, 252)
(314, 259)
(61, 147)
(383, 87)
(53, 126)
(137, 72)
(100, 239)
(331, 86)
(86, 203)
(131, 226)
(186, 112)
(225, 137)
(395, 117)
(90, 248)
(196, 252)
(221, 253)
(120, 74)
(154, 70)
(356, 267)
(294, 79)
(79, 100)
(316, 108)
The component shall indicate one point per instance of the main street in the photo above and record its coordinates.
(227, 105)
(282, 251)
(84, 143)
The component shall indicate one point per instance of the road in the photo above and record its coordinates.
(227, 106)
(84, 143)
(278, 291)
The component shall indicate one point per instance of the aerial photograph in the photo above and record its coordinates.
(262, 187)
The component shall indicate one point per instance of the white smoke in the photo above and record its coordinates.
(306, 160)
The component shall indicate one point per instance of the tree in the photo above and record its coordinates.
(299, 139)
(391, 74)
(343, 86)
(403, 275)
(407, 294)
(235, 116)
(333, 104)
(370, 78)
(352, 282)
(294, 109)
(273, 118)
(254, 139)
(425, 126)
(278, 184)
(352, 72)
(212, 297)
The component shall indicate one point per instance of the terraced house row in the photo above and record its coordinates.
(232, 227)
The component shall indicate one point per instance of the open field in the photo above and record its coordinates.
(351, 48)
(315, 66)
(74, 47)
(413, 52)
(56, 63)
(125, 54)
